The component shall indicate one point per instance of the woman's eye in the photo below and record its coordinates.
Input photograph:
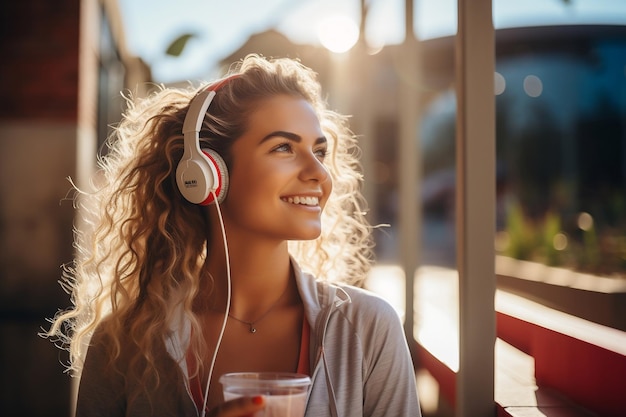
(288, 148)
(283, 147)
(321, 153)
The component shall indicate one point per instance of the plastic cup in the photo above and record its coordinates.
(285, 393)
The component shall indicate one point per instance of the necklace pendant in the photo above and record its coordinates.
(252, 329)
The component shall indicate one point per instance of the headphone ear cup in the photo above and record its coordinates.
(221, 181)
(196, 177)
(202, 176)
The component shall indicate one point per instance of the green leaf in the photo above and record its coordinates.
(178, 45)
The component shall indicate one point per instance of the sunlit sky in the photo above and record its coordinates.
(221, 27)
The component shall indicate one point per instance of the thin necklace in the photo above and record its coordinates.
(251, 324)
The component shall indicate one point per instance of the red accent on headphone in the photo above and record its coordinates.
(211, 197)
(219, 84)
(220, 181)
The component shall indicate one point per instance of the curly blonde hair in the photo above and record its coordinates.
(141, 247)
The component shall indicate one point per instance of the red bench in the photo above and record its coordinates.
(548, 362)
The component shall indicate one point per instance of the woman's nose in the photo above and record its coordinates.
(313, 169)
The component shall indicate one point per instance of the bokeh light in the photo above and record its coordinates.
(338, 33)
(499, 83)
(585, 221)
(560, 241)
(533, 86)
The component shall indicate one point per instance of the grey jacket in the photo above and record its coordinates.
(359, 359)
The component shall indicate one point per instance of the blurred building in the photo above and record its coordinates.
(63, 65)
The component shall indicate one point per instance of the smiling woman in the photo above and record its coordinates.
(230, 227)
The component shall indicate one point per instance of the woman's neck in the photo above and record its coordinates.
(260, 273)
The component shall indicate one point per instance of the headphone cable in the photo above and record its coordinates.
(221, 335)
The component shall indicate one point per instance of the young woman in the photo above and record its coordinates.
(179, 282)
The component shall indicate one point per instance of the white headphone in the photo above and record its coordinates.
(202, 178)
(201, 174)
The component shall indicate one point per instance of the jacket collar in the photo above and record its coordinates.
(318, 296)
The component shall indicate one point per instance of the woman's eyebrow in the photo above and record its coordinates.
(291, 136)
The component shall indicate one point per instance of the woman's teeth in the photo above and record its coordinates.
(307, 201)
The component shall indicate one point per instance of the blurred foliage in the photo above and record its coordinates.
(551, 232)
(579, 248)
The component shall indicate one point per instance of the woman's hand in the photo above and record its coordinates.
(239, 407)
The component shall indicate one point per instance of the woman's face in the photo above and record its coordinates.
(278, 182)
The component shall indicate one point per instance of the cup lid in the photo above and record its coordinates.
(277, 379)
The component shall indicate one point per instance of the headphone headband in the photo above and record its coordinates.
(197, 174)
(199, 105)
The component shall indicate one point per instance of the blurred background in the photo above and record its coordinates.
(560, 93)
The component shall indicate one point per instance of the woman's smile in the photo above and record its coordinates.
(302, 200)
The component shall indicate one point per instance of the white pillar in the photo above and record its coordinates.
(409, 166)
(475, 207)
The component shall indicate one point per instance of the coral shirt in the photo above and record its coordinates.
(303, 366)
